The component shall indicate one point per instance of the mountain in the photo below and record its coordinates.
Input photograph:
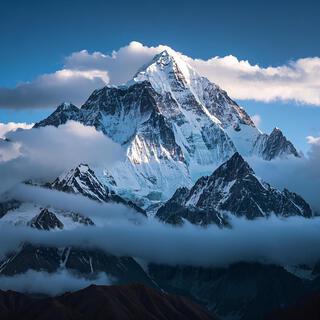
(274, 145)
(82, 180)
(129, 302)
(233, 188)
(80, 261)
(242, 291)
(175, 127)
(63, 113)
(46, 220)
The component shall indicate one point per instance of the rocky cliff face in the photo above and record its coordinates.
(232, 189)
(82, 180)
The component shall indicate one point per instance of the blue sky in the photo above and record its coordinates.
(37, 36)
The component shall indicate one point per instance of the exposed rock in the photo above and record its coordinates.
(46, 220)
(233, 189)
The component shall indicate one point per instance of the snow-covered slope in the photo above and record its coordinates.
(82, 180)
(175, 126)
(233, 189)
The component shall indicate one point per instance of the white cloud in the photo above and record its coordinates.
(49, 90)
(13, 126)
(43, 153)
(83, 72)
(294, 241)
(298, 80)
(256, 118)
(313, 140)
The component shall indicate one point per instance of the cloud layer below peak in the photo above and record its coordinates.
(83, 72)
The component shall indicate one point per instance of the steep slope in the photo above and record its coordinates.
(64, 112)
(233, 189)
(46, 220)
(175, 126)
(274, 145)
(128, 302)
(82, 180)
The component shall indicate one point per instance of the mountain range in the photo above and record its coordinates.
(186, 143)
(174, 125)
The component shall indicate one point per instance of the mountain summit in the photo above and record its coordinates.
(174, 125)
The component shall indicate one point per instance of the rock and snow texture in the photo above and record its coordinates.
(46, 220)
(234, 189)
(82, 180)
(274, 145)
(175, 126)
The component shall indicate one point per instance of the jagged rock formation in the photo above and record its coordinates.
(46, 220)
(82, 180)
(63, 113)
(233, 189)
(274, 145)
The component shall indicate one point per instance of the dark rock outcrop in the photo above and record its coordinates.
(233, 189)
(46, 220)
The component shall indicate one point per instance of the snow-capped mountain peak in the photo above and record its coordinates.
(174, 125)
(167, 72)
(233, 188)
(82, 180)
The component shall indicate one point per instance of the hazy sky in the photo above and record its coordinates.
(38, 36)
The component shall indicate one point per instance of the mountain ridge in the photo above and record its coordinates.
(232, 189)
(174, 125)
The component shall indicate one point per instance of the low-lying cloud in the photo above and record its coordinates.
(50, 283)
(83, 72)
(44, 153)
(101, 213)
(287, 241)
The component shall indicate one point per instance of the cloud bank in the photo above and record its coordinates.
(290, 241)
(83, 72)
(44, 153)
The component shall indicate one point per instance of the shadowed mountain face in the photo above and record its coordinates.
(233, 189)
(130, 302)
(86, 262)
(243, 291)
(46, 220)
(82, 180)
